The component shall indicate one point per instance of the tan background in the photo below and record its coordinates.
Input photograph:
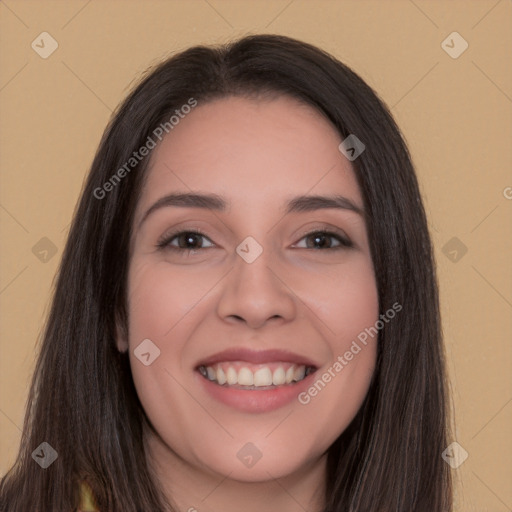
(456, 115)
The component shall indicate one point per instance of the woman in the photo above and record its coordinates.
(290, 356)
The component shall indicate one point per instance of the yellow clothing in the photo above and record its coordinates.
(86, 499)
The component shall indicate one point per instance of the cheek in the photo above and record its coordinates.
(344, 299)
(347, 307)
(161, 298)
(163, 304)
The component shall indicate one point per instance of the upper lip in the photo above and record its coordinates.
(257, 357)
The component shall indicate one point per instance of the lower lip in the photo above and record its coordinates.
(253, 400)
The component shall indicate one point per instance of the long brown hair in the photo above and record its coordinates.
(82, 399)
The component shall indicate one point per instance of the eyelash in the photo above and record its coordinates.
(164, 242)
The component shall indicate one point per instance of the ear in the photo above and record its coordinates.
(121, 336)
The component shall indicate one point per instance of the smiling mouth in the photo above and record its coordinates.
(247, 376)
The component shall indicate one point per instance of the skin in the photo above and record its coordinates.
(257, 154)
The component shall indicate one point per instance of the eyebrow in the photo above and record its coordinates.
(215, 202)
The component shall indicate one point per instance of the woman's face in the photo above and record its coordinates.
(260, 296)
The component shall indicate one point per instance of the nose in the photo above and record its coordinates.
(256, 293)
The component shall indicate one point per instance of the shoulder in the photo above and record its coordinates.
(86, 499)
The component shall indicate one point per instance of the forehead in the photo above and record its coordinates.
(252, 152)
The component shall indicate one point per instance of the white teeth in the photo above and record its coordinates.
(300, 373)
(279, 377)
(263, 376)
(231, 376)
(221, 376)
(245, 377)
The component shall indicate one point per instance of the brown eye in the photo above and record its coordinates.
(185, 241)
(323, 240)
